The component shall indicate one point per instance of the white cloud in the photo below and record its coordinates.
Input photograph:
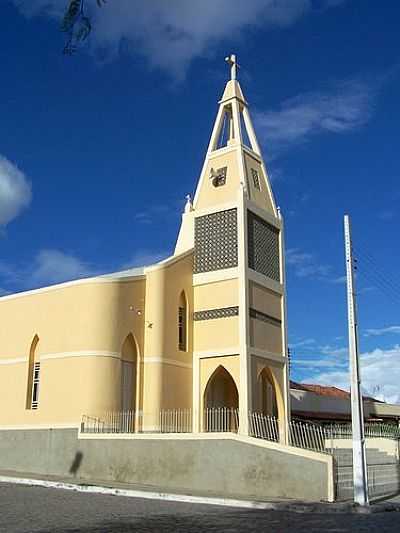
(54, 266)
(345, 107)
(340, 280)
(333, 350)
(155, 213)
(380, 371)
(303, 343)
(305, 264)
(15, 191)
(316, 364)
(382, 331)
(172, 33)
(50, 266)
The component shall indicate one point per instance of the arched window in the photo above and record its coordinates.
(128, 374)
(33, 382)
(182, 323)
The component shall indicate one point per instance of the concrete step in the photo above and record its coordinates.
(344, 457)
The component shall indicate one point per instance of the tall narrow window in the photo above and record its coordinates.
(182, 323)
(35, 388)
(32, 390)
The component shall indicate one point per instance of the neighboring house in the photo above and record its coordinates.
(328, 405)
(204, 329)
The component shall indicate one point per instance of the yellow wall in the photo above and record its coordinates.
(216, 295)
(218, 333)
(91, 316)
(264, 300)
(259, 197)
(81, 329)
(265, 336)
(167, 385)
(209, 195)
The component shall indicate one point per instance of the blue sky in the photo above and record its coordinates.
(98, 150)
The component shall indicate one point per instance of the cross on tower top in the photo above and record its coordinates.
(231, 60)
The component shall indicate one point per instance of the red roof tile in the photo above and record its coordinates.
(333, 392)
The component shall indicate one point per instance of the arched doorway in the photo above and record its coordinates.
(267, 391)
(128, 374)
(221, 402)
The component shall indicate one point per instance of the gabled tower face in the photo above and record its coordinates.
(239, 318)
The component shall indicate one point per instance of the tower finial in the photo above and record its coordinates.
(231, 60)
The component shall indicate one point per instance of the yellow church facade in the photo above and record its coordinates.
(202, 330)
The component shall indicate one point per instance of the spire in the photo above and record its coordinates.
(232, 89)
(233, 164)
(234, 161)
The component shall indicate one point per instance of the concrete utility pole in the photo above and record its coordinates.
(360, 475)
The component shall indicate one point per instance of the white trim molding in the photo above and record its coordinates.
(82, 353)
(117, 277)
(263, 213)
(30, 427)
(262, 280)
(268, 355)
(162, 360)
(217, 275)
(63, 355)
(215, 208)
(13, 361)
(217, 352)
(95, 353)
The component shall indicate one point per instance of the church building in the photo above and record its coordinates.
(201, 330)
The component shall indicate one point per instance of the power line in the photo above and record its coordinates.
(368, 268)
(371, 263)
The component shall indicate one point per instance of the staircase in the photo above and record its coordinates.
(383, 473)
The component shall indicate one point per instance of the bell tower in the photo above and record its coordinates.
(239, 315)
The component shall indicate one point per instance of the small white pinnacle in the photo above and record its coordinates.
(189, 205)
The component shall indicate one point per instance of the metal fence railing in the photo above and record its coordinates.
(263, 427)
(226, 419)
(176, 421)
(371, 430)
(307, 436)
(112, 422)
(221, 419)
(301, 434)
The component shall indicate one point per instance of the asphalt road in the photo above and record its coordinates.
(31, 509)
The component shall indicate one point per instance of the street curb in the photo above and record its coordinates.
(289, 506)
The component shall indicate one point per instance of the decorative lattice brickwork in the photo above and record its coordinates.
(264, 318)
(263, 241)
(211, 314)
(216, 245)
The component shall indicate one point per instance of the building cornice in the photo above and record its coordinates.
(108, 278)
